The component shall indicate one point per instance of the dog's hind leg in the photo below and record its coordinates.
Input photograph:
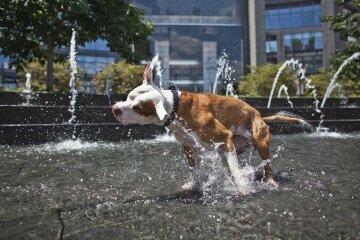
(261, 137)
(193, 182)
(222, 135)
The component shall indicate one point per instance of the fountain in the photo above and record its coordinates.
(107, 88)
(332, 84)
(27, 83)
(27, 90)
(300, 71)
(72, 82)
(73, 73)
(226, 72)
(74, 189)
(157, 70)
(285, 89)
(130, 189)
(230, 91)
(223, 69)
(289, 63)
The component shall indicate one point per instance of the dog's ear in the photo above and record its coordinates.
(147, 75)
(160, 110)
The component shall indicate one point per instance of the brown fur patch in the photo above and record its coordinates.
(146, 108)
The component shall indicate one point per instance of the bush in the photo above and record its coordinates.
(259, 82)
(122, 77)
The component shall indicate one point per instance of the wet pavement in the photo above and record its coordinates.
(130, 190)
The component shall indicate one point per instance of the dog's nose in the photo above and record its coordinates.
(116, 111)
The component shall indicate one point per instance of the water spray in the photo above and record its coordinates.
(333, 84)
(285, 89)
(72, 82)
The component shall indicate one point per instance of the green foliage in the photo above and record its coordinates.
(259, 82)
(122, 77)
(321, 80)
(38, 76)
(32, 29)
(349, 87)
(347, 25)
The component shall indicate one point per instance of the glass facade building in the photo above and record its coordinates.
(294, 30)
(190, 35)
(296, 15)
(94, 56)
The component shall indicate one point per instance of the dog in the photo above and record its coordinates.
(208, 119)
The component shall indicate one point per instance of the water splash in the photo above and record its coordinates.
(230, 91)
(332, 84)
(160, 138)
(27, 89)
(214, 178)
(225, 71)
(285, 89)
(156, 66)
(27, 83)
(222, 65)
(72, 82)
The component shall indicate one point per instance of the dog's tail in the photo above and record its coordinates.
(281, 118)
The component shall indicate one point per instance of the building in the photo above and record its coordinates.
(294, 30)
(190, 36)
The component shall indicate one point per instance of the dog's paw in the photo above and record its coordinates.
(189, 186)
(272, 183)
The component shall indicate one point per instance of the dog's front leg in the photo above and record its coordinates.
(193, 181)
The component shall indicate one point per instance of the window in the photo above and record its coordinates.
(271, 44)
(271, 59)
(303, 42)
(93, 64)
(230, 8)
(293, 16)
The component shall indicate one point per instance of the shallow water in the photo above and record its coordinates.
(130, 190)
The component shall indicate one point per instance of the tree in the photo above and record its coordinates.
(33, 29)
(121, 77)
(38, 73)
(259, 82)
(347, 24)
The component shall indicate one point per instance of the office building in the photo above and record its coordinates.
(190, 36)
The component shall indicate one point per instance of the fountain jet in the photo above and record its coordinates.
(332, 84)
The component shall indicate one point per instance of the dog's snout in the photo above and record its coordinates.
(116, 111)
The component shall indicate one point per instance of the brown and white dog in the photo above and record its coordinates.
(207, 119)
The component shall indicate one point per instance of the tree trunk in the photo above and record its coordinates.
(50, 65)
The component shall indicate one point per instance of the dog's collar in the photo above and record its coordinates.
(176, 101)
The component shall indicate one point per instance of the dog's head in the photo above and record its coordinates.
(146, 104)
